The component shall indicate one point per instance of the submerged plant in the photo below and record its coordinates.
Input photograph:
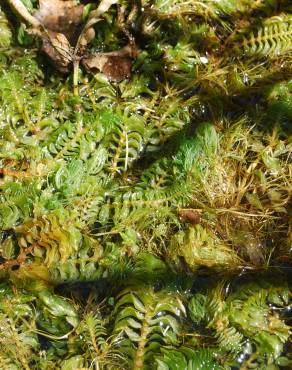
(145, 216)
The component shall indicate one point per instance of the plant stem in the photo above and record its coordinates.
(145, 330)
(75, 77)
(21, 10)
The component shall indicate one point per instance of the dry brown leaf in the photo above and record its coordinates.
(60, 16)
(61, 22)
(58, 49)
(116, 65)
(85, 39)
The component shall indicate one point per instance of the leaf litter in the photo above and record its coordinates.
(65, 37)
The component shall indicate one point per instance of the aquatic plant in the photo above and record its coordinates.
(146, 207)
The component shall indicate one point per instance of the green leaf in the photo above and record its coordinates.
(254, 200)
(284, 361)
(73, 363)
(58, 306)
(197, 307)
(23, 37)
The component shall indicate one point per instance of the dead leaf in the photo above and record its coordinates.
(87, 37)
(116, 65)
(61, 16)
(58, 49)
(60, 22)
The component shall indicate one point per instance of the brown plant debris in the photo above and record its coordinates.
(60, 16)
(57, 47)
(116, 65)
(58, 23)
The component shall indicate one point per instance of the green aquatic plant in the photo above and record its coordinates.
(246, 321)
(146, 321)
(272, 39)
(187, 358)
(145, 220)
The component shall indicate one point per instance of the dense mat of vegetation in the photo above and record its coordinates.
(146, 222)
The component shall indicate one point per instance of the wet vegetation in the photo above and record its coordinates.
(145, 185)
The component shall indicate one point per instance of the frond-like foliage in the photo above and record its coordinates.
(18, 199)
(186, 358)
(96, 345)
(145, 320)
(24, 315)
(246, 315)
(251, 311)
(75, 139)
(271, 39)
(126, 142)
(57, 242)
